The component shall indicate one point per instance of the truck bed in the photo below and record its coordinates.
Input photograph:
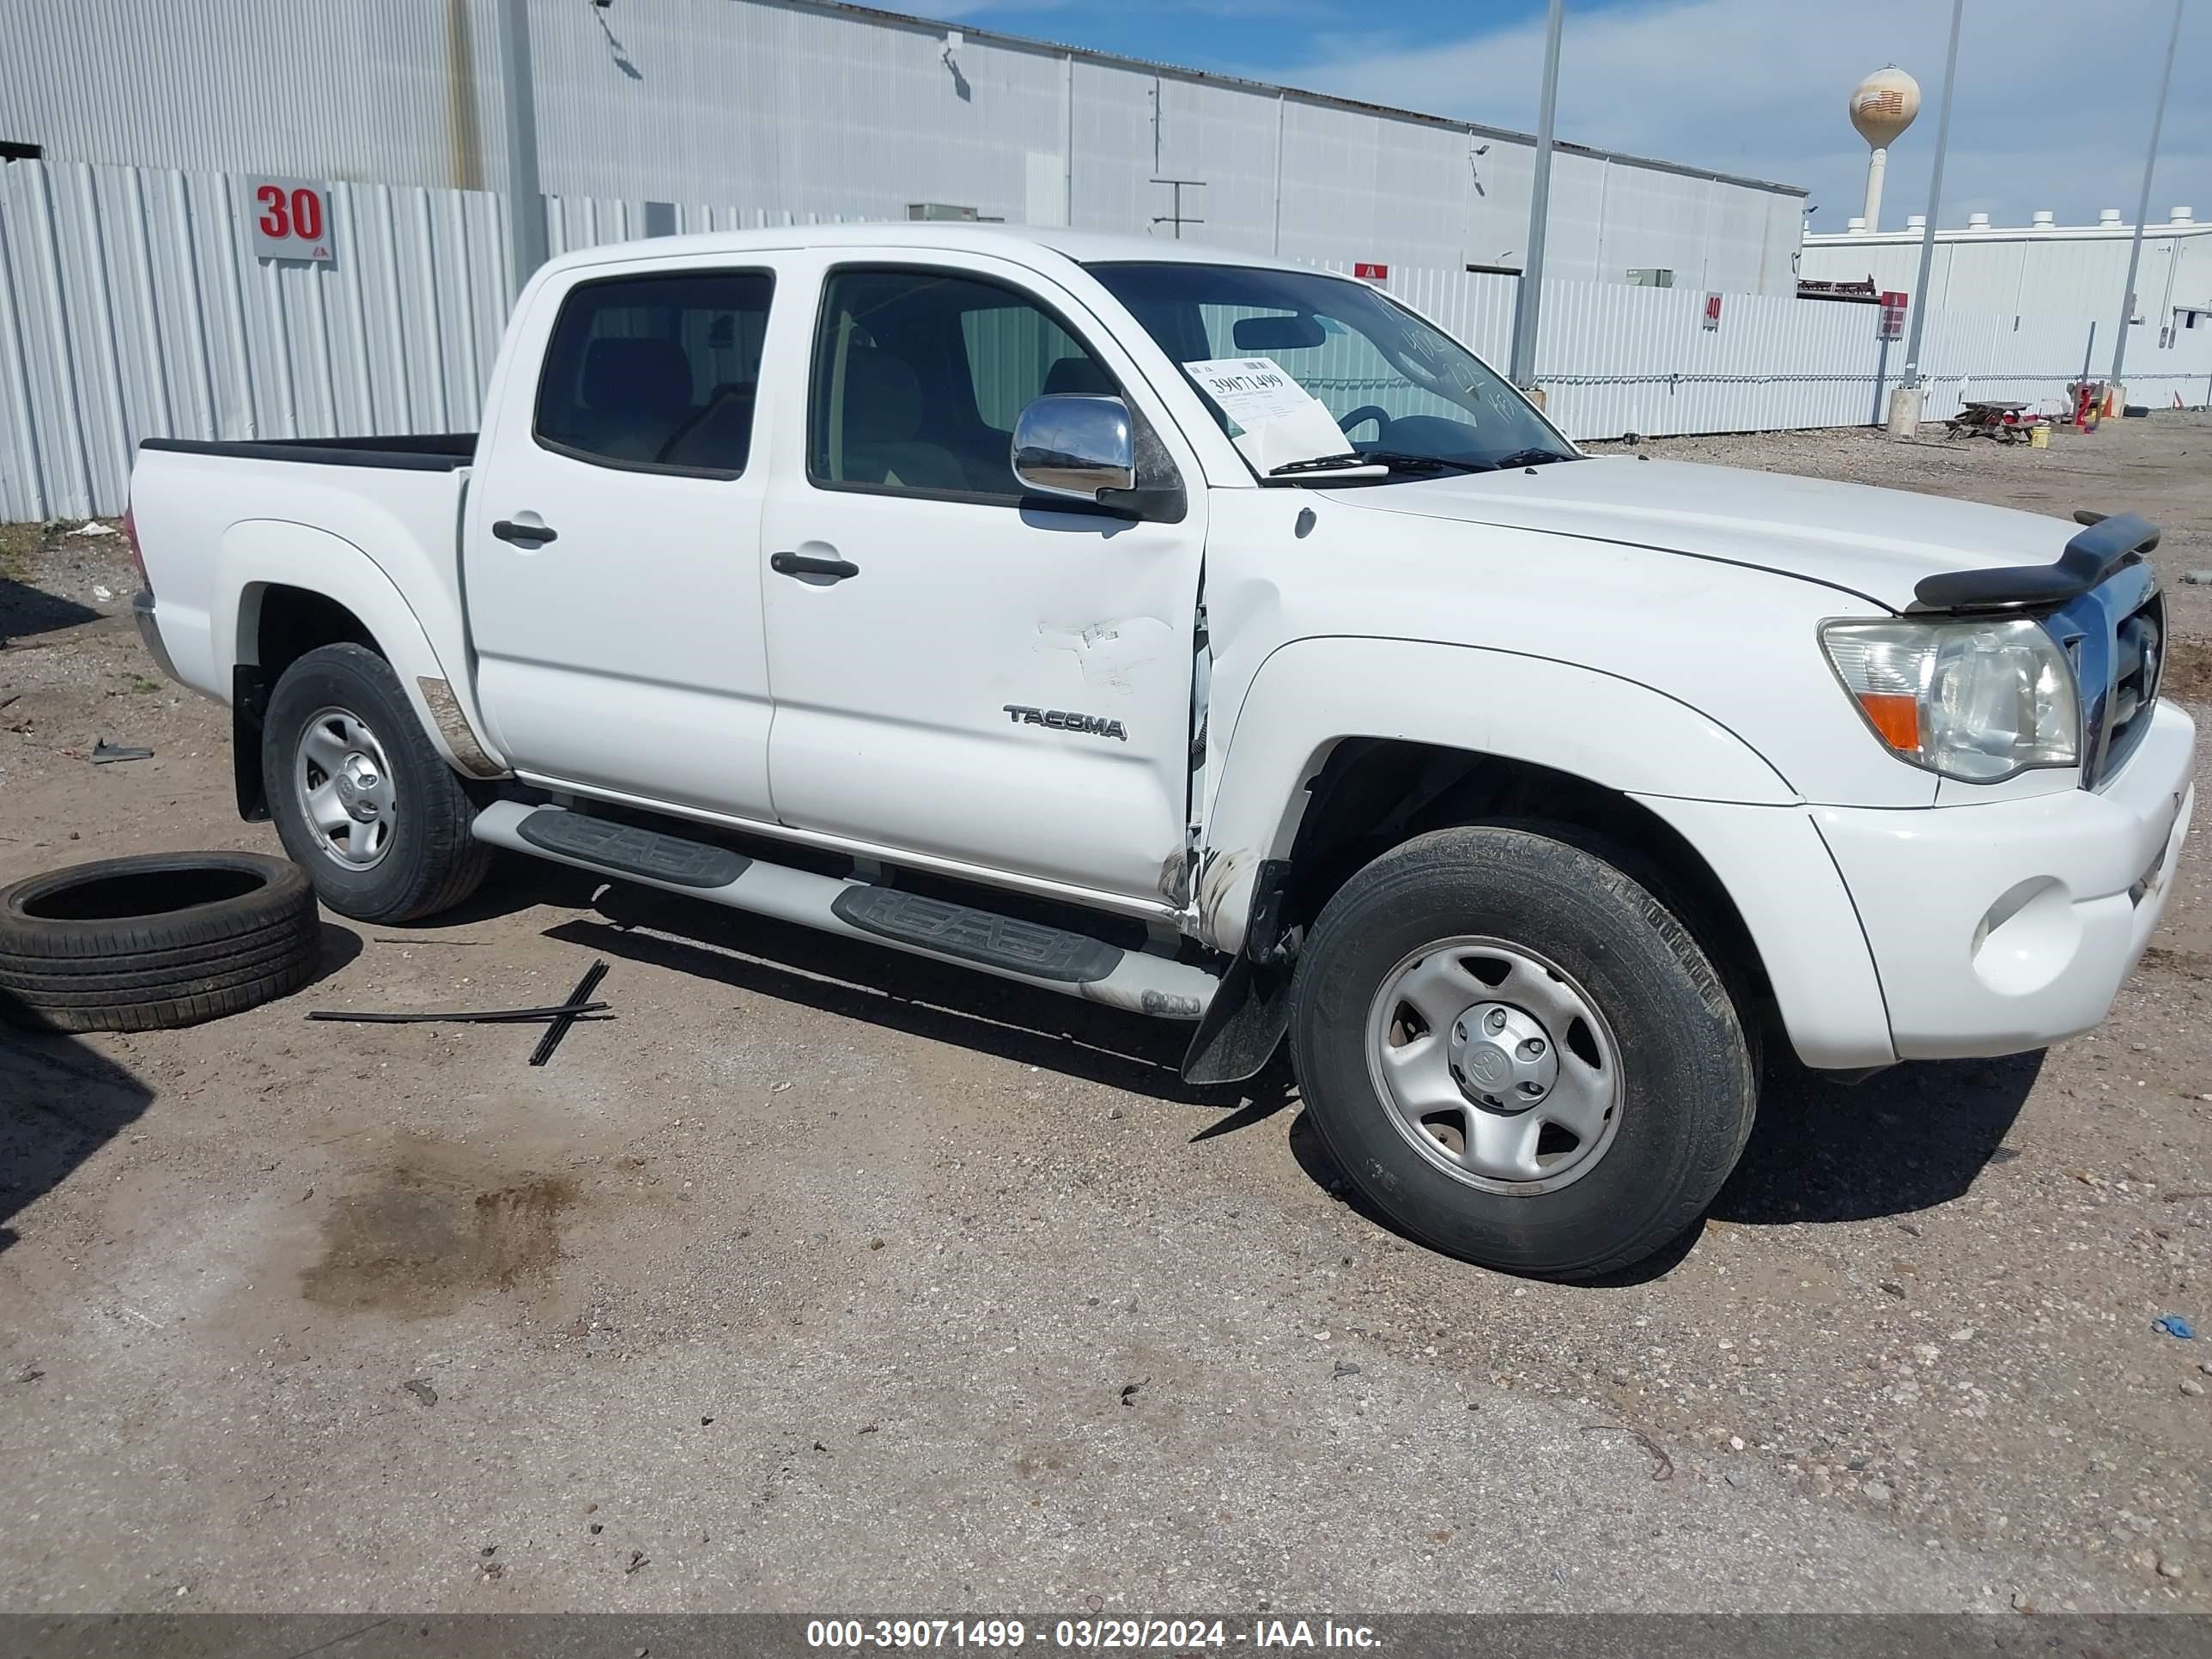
(370, 523)
(432, 452)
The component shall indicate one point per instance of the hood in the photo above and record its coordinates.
(1877, 543)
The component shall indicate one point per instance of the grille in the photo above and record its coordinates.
(2115, 634)
(2138, 655)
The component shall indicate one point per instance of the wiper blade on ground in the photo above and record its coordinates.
(1389, 457)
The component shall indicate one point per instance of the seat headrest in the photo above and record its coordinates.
(1082, 376)
(635, 374)
(882, 398)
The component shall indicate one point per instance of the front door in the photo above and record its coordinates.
(613, 541)
(960, 669)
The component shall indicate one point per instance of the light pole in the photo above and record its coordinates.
(2143, 207)
(1905, 402)
(525, 208)
(1529, 296)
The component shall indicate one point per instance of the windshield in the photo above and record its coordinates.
(1391, 390)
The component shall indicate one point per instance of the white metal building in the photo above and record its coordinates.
(2042, 268)
(811, 108)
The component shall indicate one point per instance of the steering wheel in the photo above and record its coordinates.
(1368, 412)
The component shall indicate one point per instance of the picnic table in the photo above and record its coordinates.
(2009, 423)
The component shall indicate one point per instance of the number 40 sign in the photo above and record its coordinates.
(291, 219)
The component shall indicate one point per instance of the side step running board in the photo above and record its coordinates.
(1051, 958)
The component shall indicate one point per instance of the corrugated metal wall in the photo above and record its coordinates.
(1639, 359)
(1614, 360)
(132, 306)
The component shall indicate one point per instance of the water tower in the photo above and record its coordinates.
(1882, 106)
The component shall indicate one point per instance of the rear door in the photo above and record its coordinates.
(960, 669)
(612, 540)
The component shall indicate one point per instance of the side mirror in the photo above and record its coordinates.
(1082, 447)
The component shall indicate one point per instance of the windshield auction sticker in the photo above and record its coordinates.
(1282, 421)
(1251, 391)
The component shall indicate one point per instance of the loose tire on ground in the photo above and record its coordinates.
(1584, 943)
(144, 944)
(365, 804)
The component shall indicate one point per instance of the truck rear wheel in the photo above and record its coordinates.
(1520, 1055)
(363, 802)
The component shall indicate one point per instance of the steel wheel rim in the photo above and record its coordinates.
(1462, 1084)
(342, 780)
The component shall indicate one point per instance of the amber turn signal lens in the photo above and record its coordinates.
(1895, 715)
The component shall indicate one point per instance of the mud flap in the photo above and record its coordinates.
(1243, 1024)
(249, 701)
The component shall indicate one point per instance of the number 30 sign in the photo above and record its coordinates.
(291, 219)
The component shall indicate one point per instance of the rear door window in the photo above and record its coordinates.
(657, 374)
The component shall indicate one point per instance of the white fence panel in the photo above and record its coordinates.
(132, 305)
(1475, 307)
(1615, 359)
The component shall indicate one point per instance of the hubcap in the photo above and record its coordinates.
(1495, 1065)
(343, 783)
(1503, 1057)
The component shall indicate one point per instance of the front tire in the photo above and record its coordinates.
(1519, 1054)
(364, 804)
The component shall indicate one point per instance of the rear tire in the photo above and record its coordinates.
(364, 804)
(1519, 1054)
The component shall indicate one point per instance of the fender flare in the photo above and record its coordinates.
(1312, 694)
(257, 554)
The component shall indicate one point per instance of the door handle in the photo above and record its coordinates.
(807, 564)
(508, 531)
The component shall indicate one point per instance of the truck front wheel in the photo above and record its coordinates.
(363, 802)
(1518, 1054)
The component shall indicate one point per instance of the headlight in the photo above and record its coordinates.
(1969, 699)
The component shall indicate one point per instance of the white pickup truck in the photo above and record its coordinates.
(1217, 640)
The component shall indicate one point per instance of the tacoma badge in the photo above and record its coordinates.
(1061, 720)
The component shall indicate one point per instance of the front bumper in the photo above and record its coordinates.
(149, 631)
(2009, 925)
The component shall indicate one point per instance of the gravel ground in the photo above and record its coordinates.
(821, 1279)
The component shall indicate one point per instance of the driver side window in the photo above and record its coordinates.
(657, 374)
(921, 375)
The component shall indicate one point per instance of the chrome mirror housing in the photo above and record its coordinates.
(1080, 446)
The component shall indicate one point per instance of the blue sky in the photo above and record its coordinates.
(2053, 108)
